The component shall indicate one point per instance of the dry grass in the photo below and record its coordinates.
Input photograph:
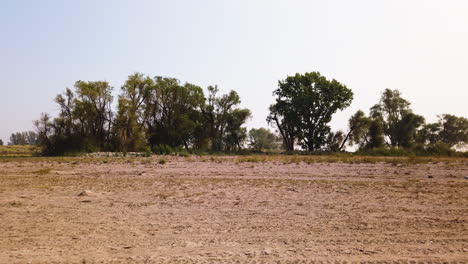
(351, 159)
(19, 151)
(281, 159)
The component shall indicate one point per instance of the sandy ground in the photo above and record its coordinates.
(192, 210)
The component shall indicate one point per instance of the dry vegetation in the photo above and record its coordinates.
(233, 209)
(18, 151)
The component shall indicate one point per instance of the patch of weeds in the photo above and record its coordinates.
(184, 154)
(251, 159)
(162, 161)
(43, 171)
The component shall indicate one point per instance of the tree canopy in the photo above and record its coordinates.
(162, 115)
(305, 104)
(151, 112)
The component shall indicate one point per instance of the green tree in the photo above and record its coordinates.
(23, 138)
(45, 130)
(286, 122)
(376, 135)
(132, 113)
(92, 109)
(407, 129)
(391, 110)
(359, 125)
(223, 120)
(453, 130)
(236, 135)
(1, 142)
(262, 139)
(335, 141)
(304, 106)
(428, 134)
(174, 112)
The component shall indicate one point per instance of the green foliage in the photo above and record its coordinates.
(376, 135)
(157, 112)
(163, 116)
(223, 121)
(263, 139)
(84, 121)
(304, 106)
(174, 112)
(453, 130)
(23, 138)
(131, 113)
(1, 142)
(359, 125)
(147, 152)
(335, 141)
(399, 123)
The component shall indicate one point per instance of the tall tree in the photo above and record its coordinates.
(391, 110)
(93, 110)
(223, 118)
(174, 112)
(305, 105)
(132, 113)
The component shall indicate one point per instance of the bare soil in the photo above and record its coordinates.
(197, 210)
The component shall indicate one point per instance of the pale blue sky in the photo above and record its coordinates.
(418, 47)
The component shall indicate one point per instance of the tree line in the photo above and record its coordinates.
(163, 115)
(306, 102)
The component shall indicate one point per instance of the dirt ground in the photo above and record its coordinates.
(202, 210)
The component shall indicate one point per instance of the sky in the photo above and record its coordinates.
(419, 47)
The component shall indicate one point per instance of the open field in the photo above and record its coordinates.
(234, 209)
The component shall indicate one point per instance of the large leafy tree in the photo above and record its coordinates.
(391, 110)
(453, 130)
(132, 112)
(92, 107)
(305, 104)
(173, 112)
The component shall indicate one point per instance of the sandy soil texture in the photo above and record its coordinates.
(197, 210)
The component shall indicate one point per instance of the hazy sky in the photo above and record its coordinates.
(418, 47)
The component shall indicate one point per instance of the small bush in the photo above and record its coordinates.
(162, 150)
(147, 152)
(162, 161)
